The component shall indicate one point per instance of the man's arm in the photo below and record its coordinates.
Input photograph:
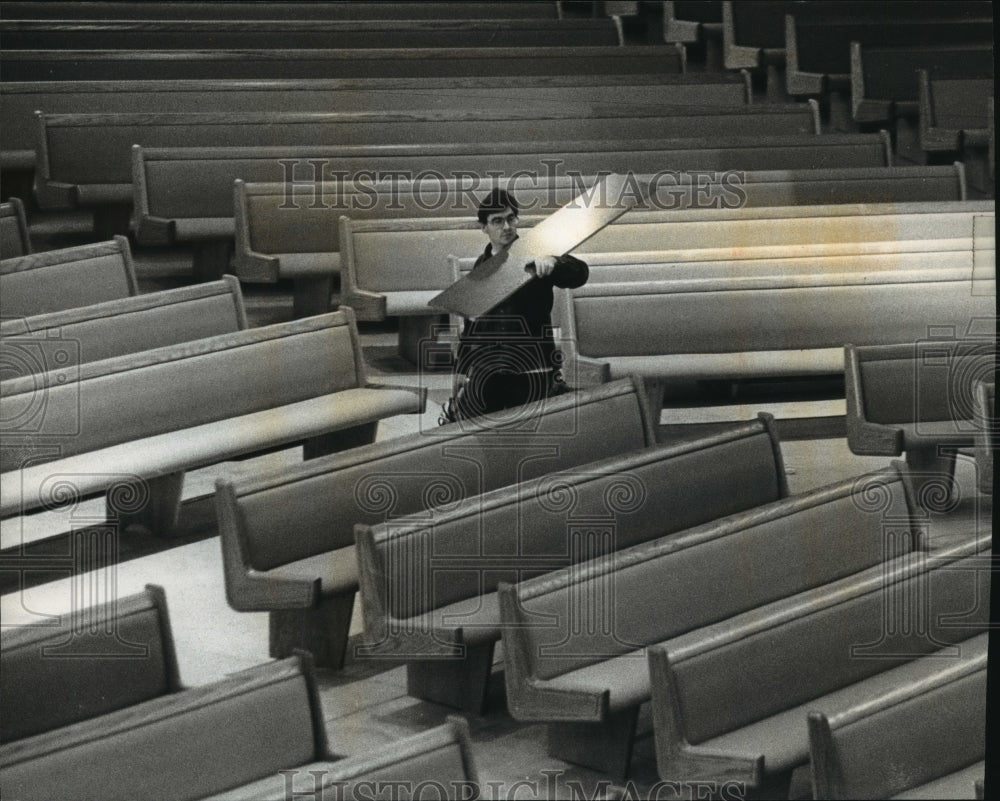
(566, 272)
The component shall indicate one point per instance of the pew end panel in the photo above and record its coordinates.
(249, 264)
(121, 655)
(14, 237)
(984, 400)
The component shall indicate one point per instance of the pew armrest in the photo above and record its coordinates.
(864, 437)
(675, 756)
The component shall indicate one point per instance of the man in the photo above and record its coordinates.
(507, 356)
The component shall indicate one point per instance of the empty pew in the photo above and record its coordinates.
(292, 231)
(185, 194)
(67, 278)
(819, 50)
(85, 159)
(437, 762)
(116, 423)
(288, 536)
(984, 398)
(95, 661)
(14, 238)
(237, 11)
(379, 62)
(119, 327)
(428, 582)
(786, 324)
(22, 99)
(922, 739)
(695, 22)
(574, 639)
(153, 35)
(884, 79)
(730, 700)
(189, 744)
(376, 282)
(917, 397)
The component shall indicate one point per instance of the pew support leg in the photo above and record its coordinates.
(335, 441)
(158, 514)
(322, 630)
(458, 683)
(418, 340)
(606, 746)
(311, 295)
(932, 473)
(210, 260)
(111, 221)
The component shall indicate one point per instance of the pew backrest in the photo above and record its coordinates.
(381, 33)
(185, 745)
(14, 238)
(924, 730)
(647, 594)
(378, 62)
(95, 661)
(67, 278)
(85, 158)
(130, 325)
(22, 99)
(183, 194)
(463, 551)
(274, 519)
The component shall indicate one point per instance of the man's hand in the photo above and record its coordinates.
(542, 266)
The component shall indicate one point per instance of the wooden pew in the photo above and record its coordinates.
(377, 283)
(816, 651)
(22, 99)
(67, 278)
(312, 389)
(189, 744)
(695, 22)
(787, 325)
(119, 327)
(917, 398)
(383, 62)
(93, 662)
(185, 194)
(85, 159)
(292, 231)
(574, 639)
(438, 762)
(288, 536)
(238, 11)
(924, 737)
(153, 35)
(428, 582)
(819, 50)
(14, 238)
(984, 398)
(884, 79)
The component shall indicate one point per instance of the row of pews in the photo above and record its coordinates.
(618, 570)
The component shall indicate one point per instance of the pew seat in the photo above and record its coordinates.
(119, 327)
(14, 238)
(38, 283)
(574, 640)
(117, 423)
(923, 739)
(288, 536)
(182, 746)
(730, 700)
(429, 581)
(93, 662)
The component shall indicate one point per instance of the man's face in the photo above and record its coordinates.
(501, 228)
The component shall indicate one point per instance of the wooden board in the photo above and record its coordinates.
(497, 278)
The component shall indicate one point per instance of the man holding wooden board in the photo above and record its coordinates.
(506, 354)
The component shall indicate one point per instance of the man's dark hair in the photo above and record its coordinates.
(496, 201)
